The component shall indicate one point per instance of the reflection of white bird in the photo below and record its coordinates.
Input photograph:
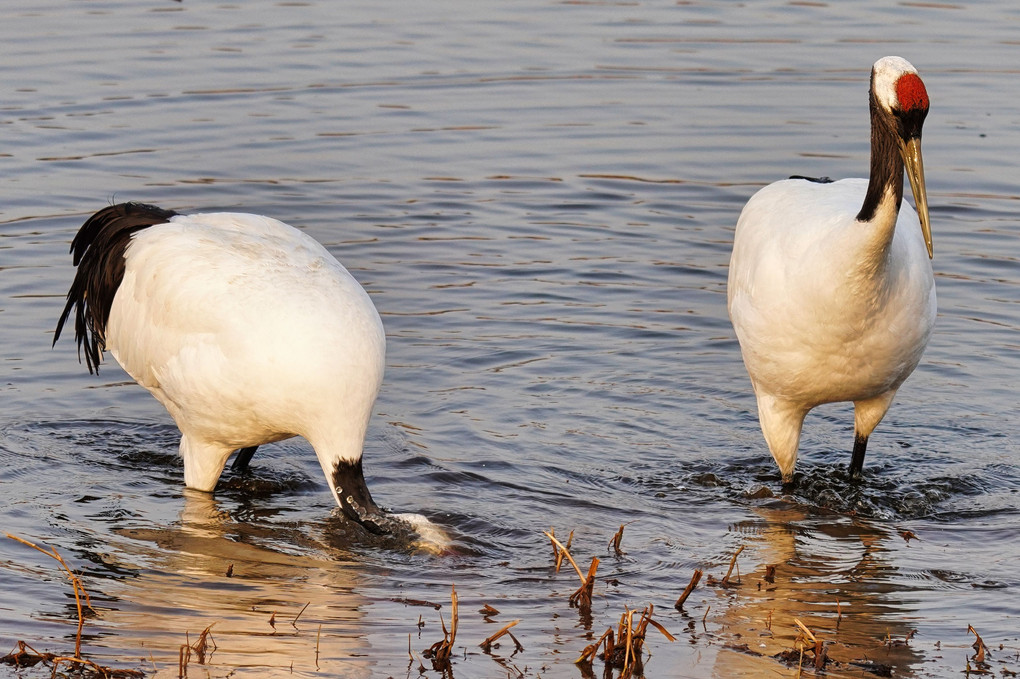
(830, 287)
(244, 328)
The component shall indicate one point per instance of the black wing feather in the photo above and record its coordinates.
(816, 180)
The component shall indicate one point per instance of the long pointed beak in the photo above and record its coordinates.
(911, 153)
(354, 499)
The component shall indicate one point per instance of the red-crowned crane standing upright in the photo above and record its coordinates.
(830, 289)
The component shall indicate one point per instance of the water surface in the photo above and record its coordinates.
(540, 198)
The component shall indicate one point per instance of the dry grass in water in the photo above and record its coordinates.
(24, 655)
(200, 648)
(806, 641)
(439, 653)
(581, 598)
(622, 650)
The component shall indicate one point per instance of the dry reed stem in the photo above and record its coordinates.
(202, 644)
(978, 645)
(24, 655)
(293, 623)
(695, 579)
(184, 657)
(79, 588)
(582, 597)
(589, 652)
(659, 627)
(805, 630)
(821, 656)
(733, 561)
(199, 647)
(557, 553)
(416, 602)
(563, 551)
(98, 669)
(629, 645)
(319, 634)
(615, 541)
(441, 651)
(626, 654)
(505, 629)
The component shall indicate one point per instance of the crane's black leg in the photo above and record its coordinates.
(857, 461)
(242, 458)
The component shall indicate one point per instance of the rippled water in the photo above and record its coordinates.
(540, 199)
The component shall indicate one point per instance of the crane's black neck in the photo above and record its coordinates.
(886, 162)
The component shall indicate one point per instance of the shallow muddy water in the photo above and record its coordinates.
(540, 199)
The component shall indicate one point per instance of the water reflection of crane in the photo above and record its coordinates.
(830, 574)
(210, 570)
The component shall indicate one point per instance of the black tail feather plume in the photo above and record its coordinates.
(98, 252)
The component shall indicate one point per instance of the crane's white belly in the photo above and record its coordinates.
(814, 325)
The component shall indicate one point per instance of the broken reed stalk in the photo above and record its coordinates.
(978, 645)
(199, 648)
(441, 651)
(557, 552)
(629, 645)
(24, 655)
(293, 623)
(319, 634)
(505, 629)
(695, 579)
(819, 646)
(733, 561)
(615, 541)
(98, 669)
(79, 588)
(184, 657)
(582, 597)
(560, 551)
(626, 654)
(805, 630)
(202, 644)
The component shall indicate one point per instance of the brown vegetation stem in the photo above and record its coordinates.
(79, 588)
(505, 629)
(733, 561)
(695, 579)
(573, 563)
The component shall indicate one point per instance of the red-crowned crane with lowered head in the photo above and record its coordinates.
(247, 330)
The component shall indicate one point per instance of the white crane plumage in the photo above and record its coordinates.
(247, 330)
(830, 289)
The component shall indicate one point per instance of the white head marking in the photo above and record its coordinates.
(884, 75)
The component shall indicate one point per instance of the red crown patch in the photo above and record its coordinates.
(911, 93)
